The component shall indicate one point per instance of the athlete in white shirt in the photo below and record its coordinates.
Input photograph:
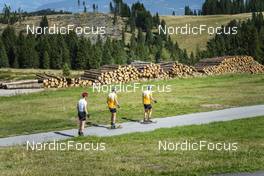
(82, 112)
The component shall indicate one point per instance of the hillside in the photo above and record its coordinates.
(190, 42)
(82, 20)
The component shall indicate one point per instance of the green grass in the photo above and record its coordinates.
(7, 74)
(137, 154)
(55, 110)
(191, 42)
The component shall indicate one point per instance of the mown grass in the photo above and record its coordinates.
(54, 110)
(138, 154)
(191, 42)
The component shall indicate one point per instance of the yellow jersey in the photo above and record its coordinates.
(112, 100)
(147, 96)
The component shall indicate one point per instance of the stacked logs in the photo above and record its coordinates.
(25, 84)
(229, 64)
(175, 69)
(53, 81)
(114, 74)
(109, 74)
(151, 71)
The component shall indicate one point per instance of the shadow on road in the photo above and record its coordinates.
(63, 134)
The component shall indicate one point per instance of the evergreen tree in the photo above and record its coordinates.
(55, 52)
(46, 60)
(149, 37)
(83, 55)
(111, 8)
(158, 56)
(66, 70)
(42, 48)
(96, 57)
(44, 22)
(192, 59)
(119, 54)
(140, 37)
(3, 56)
(9, 39)
(72, 41)
(107, 58)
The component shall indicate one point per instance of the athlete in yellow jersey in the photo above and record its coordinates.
(112, 103)
(147, 100)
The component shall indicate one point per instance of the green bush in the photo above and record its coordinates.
(66, 71)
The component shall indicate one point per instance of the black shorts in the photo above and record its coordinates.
(147, 106)
(112, 110)
(82, 116)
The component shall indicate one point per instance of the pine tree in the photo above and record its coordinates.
(107, 58)
(140, 37)
(162, 34)
(158, 56)
(44, 22)
(119, 54)
(83, 55)
(43, 48)
(9, 39)
(55, 52)
(72, 41)
(192, 59)
(3, 56)
(66, 71)
(132, 23)
(111, 7)
(96, 57)
(149, 37)
(46, 60)
(64, 51)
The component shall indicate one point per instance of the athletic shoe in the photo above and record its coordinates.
(80, 133)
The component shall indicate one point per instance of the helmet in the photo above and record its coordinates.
(149, 87)
(84, 94)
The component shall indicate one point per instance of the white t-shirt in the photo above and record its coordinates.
(82, 105)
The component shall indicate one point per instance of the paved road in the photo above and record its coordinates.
(259, 173)
(130, 127)
(14, 92)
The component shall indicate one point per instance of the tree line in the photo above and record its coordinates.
(189, 11)
(54, 51)
(248, 41)
(211, 7)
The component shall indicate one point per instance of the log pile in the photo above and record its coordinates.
(25, 84)
(229, 64)
(109, 74)
(53, 81)
(150, 71)
(175, 69)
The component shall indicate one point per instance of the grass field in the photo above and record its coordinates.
(191, 42)
(138, 154)
(54, 110)
(7, 74)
